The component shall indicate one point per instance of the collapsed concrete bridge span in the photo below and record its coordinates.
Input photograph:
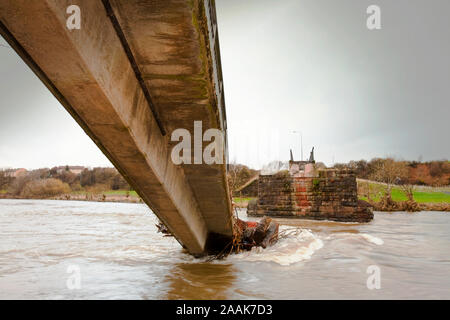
(131, 74)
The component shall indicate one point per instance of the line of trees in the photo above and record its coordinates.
(55, 181)
(59, 181)
(391, 171)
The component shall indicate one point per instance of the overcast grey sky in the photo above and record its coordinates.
(288, 65)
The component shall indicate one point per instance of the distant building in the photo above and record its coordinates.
(76, 169)
(72, 169)
(16, 172)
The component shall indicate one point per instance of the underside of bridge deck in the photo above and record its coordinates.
(135, 71)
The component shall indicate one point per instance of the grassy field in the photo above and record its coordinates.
(240, 200)
(378, 190)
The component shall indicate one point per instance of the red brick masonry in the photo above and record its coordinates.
(332, 195)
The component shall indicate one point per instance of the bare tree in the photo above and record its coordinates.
(233, 172)
(239, 174)
(390, 172)
(408, 190)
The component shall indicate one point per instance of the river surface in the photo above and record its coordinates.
(91, 250)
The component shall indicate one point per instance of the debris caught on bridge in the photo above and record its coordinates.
(163, 229)
(249, 234)
(256, 234)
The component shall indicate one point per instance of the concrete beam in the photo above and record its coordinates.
(90, 73)
(176, 46)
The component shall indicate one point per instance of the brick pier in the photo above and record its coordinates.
(328, 194)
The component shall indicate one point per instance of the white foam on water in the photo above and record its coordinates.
(296, 245)
(357, 236)
(372, 239)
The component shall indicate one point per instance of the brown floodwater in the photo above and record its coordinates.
(117, 254)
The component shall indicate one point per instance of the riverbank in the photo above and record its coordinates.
(424, 198)
(122, 196)
(409, 206)
(372, 191)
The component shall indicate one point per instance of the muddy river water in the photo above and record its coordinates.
(90, 250)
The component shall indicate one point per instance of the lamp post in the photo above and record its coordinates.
(301, 142)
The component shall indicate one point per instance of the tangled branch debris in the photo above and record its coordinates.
(247, 234)
(163, 229)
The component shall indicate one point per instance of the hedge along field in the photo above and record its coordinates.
(121, 193)
(378, 190)
(44, 188)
